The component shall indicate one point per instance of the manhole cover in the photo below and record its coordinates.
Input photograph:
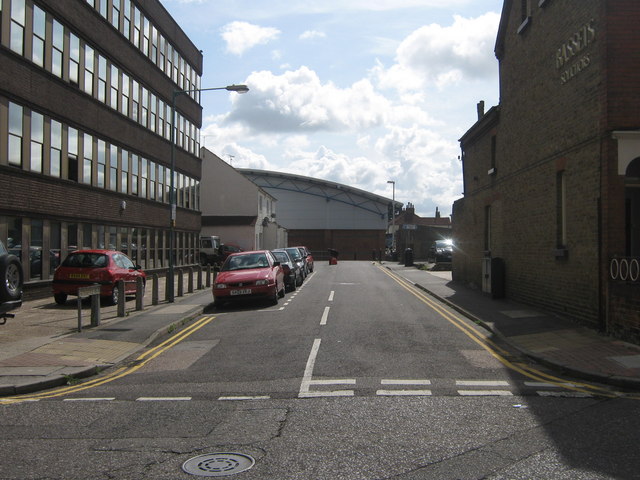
(218, 464)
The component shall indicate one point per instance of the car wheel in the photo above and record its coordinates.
(113, 298)
(276, 296)
(282, 291)
(60, 298)
(294, 284)
(11, 278)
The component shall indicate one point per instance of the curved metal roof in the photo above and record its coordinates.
(331, 191)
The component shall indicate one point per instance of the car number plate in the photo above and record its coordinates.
(244, 291)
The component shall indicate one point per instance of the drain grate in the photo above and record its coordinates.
(218, 464)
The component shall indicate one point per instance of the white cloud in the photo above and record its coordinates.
(241, 36)
(312, 35)
(442, 56)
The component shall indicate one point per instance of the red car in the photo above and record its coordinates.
(249, 275)
(88, 267)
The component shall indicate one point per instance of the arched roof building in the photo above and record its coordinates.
(322, 214)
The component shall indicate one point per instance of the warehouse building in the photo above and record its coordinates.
(321, 214)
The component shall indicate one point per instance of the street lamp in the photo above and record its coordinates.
(393, 217)
(172, 194)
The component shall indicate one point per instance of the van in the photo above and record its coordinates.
(209, 250)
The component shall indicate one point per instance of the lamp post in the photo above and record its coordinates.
(393, 217)
(172, 193)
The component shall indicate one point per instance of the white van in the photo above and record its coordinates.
(209, 250)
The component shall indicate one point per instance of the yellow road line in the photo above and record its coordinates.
(120, 372)
(495, 350)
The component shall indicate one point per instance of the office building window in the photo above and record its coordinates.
(126, 18)
(115, 13)
(152, 180)
(87, 164)
(102, 163)
(113, 168)
(144, 112)
(153, 109)
(57, 48)
(102, 79)
(38, 39)
(135, 168)
(103, 8)
(72, 154)
(37, 141)
(115, 87)
(55, 151)
(74, 59)
(55, 245)
(35, 250)
(144, 177)
(137, 27)
(124, 172)
(16, 40)
(89, 68)
(15, 134)
(135, 99)
(124, 107)
(160, 188)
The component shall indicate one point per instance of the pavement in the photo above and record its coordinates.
(42, 348)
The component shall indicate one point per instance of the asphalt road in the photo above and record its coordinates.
(354, 376)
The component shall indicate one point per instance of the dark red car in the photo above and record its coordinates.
(249, 275)
(89, 267)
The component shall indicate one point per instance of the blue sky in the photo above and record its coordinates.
(352, 91)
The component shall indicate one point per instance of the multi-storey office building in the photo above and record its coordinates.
(552, 174)
(86, 89)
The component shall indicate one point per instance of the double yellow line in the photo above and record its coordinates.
(498, 352)
(120, 372)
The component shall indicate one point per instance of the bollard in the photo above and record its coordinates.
(122, 300)
(200, 286)
(180, 282)
(208, 276)
(154, 289)
(166, 288)
(95, 310)
(94, 293)
(190, 279)
(139, 293)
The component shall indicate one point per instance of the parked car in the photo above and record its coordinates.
(89, 267)
(292, 271)
(440, 251)
(11, 282)
(295, 254)
(227, 249)
(306, 254)
(249, 275)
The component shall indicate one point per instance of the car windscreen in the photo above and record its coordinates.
(243, 262)
(86, 260)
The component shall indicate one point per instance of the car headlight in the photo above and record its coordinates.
(221, 285)
(262, 282)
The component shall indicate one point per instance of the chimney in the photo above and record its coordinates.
(437, 213)
(480, 107)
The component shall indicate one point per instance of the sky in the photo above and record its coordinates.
(359, 92)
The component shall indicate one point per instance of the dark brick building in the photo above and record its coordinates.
(552, 174)
(86, 89)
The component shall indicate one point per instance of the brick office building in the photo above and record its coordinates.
(552, 174)
(85, 126)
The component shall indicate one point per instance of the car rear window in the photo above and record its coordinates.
(281, 257)
(86, 260)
